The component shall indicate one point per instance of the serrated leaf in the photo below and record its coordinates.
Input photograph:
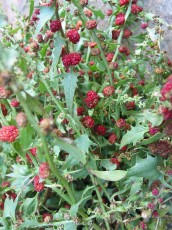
(134, 135)
(146, 168)
(83, 142)
(58, 44)
(110, 175)
(46, 14)
(136, 185)
(74, 208)
(152, 139)
(9, 208)
(74, 151)
(69, 82)
(29, 206)
(20, 175)
(154, 118)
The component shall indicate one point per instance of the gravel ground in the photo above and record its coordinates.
(163, 8)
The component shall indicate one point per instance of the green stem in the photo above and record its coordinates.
(84, 19)
(100, 201)
(53, 168)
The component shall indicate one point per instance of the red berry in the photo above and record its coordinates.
(80, 111)
(88, 122)
(112, 138)
(5, 184)
(153, 130)
(83, 2)
(91, 24)
(162, 148)
(155, 192)
(92, 99)
(123, 2)
(130, 105)
(71, 59)
(121, 123)
(109, 12)
(4, 93)
(168, 128)
(88, 13)
(100, 130)
(33, 152)
(124, 49)
(36, 11)
(55, 26)
(166, 91)
(47, 217)
(113, 65)
(166, 113)
(135, 9)
(127, 33)
(8, 133)
(109, 57)
(120, 19)
(115, 34)
(1, 205)
(144, 25)
(143, 226)
(108, 91)
(73, 36)
(38, 186)
(15, 103)
(44, 170)
(3, 109)
(115, 161)
(151, 205)
(155, 214)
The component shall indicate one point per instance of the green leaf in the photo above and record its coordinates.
(74, 151)
(134, 135)
(136, 185)
(110, 175)
(83, 142)
(44, 50)
(97, 13)
(20, 175)
(26, 135)
(154, 118)
(31, 8)
(46, 14)
(70, 226)
(34, 104)
(152, 139)
(29, 206)
(9, 208)
(58, 44)
(106, 163)
(146, 168)
(74, 208)
(70, 83)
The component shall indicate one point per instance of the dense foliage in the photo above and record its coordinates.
(85, 118)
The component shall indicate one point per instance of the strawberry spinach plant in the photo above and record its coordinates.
(85, 118)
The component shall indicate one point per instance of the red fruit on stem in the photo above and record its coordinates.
(100, 130)
(55, 26)
(73, 36)
(88, 122)
(8, 133)
(108, 91)
(91, 24)
(44, 170)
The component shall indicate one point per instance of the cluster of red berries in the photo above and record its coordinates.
(8, 133)
(124, 49)
(73, 36)
(38, 186)
(120, 19)
(44, 170)
(71, 59)
(55, 26)
(91, 24)
(166, 90)
(91, 99)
